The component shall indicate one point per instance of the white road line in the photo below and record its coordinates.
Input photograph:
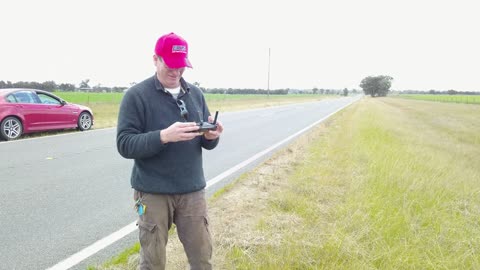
(95, 247)
(67, 133)
(112, 238)
(264, 152)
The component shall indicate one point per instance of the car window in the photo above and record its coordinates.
(11, 99)
(46, 99)
(25, 97)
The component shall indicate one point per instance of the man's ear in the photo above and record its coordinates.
(155, 59)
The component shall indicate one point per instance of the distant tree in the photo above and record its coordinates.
(31, 85)
(7, 84)
(118, 89)
(315, 90)
(99, 88)
(376, 86)
(84, 83)
(66, 87)
(345, 92)
(451, 92)
(49, 86)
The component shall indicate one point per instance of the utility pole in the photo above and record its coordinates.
(268, 79)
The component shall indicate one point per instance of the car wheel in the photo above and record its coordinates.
(11, 128)
(84, 121)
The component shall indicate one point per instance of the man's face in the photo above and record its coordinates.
(169, 77)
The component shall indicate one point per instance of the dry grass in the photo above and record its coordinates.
(235, 216)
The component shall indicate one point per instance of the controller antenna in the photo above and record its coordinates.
(215, 120)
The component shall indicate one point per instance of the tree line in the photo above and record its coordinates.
(51, 86)
(286, 91)
(375, 86)
(47, 86)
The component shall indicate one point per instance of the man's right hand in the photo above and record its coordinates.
(179, 131)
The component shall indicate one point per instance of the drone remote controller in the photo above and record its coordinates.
(205, 126)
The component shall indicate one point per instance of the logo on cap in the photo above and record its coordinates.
(179, 49)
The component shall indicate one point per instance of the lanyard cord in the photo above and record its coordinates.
(183, 108)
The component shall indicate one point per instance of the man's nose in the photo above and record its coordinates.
(175, 70)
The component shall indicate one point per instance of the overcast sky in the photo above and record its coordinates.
(423, 45)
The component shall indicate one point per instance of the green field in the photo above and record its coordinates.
(468, 99)
(86, 98)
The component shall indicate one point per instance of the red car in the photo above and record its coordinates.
(25, 111)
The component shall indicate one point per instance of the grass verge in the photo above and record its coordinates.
(394, 185)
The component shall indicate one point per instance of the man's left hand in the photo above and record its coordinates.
(213, 134)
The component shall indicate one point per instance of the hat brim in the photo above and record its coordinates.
(177, 62)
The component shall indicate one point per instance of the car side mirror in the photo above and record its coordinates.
(63, 102)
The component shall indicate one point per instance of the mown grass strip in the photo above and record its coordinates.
(468, 99)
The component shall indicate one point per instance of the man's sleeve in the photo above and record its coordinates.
(131, 141)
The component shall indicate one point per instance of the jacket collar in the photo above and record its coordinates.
(184, 86)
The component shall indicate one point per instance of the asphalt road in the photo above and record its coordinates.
(60, 194)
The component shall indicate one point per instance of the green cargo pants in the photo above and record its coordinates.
(189, 213)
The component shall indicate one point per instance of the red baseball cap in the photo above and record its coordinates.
(174, 51)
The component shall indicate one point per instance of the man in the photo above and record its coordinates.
(157, 128)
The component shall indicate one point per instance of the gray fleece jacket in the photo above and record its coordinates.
(172, 168)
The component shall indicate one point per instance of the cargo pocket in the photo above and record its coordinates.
(151, 253)
(209, 237)
(206, 221)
